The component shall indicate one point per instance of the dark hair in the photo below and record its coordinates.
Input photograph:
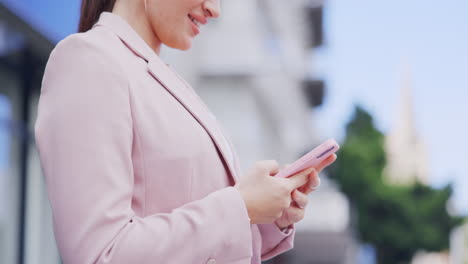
(90, 12)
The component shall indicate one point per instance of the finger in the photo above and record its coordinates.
(295, 214)
(273, 171)
(299, 179)
(325, 163)
(300, 199)
(312, 184)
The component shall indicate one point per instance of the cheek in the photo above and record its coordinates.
(192, 3)
(163, 22)
(170, 21)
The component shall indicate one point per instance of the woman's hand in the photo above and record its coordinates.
(267, 197)
(295, 212)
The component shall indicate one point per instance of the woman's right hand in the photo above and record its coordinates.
(265, 196)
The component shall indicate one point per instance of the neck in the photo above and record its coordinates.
(132, 12)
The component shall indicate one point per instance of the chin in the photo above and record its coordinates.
(183, 44)
(185, 47)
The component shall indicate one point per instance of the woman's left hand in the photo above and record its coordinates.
(296, 210)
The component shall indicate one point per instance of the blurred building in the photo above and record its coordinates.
(25, 222)
(256, 75)
(459, 245)
(406, 152)
(431, 258)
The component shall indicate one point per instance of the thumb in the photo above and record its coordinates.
(299, 179)
(285, 166)
(269, 166)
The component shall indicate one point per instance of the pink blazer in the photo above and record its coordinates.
(137, 168)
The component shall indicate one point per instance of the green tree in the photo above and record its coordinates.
(397, 220)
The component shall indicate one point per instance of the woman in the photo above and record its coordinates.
(137, 170)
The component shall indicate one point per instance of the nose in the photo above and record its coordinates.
(211, 8)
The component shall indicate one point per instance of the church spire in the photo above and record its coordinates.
(406, 154)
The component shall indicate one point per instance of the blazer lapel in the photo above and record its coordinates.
(172, 83)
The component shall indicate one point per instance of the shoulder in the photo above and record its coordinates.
(97, 40)
(86, 62)
(91, 50)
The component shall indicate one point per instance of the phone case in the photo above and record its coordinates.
(311, 159)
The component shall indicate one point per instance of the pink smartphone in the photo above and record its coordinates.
(311, 159)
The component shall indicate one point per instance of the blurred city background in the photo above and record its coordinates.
(387, 79)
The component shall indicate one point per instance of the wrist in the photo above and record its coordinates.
(245, 203)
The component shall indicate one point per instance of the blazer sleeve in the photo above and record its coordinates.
(84, 138)
(275, 241)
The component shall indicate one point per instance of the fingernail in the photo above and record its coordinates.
(313, 187)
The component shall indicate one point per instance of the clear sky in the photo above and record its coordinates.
(367, 43)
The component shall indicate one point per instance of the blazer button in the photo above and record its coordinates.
(211, 261)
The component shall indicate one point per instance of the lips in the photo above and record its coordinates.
(200, 19)
(195, 21)
(195, 26)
